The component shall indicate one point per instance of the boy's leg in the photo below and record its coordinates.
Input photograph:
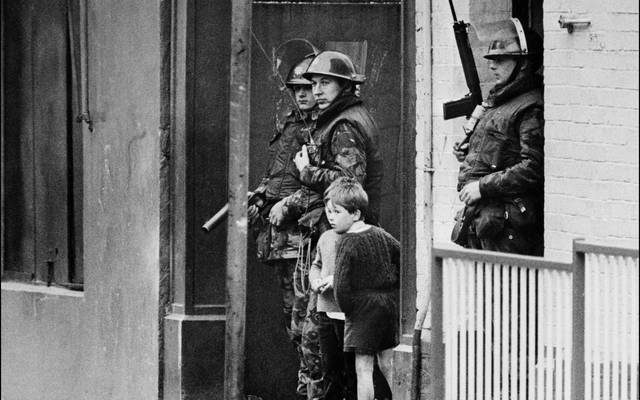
(385, 363)
(332, 361)
(364, 372)
(348, 363)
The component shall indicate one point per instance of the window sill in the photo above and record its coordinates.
(41, 289)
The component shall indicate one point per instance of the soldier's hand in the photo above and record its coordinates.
(470, 193)
(252, 212)
(316, 284)
(460, 152)
(301, 158)
(276, 215)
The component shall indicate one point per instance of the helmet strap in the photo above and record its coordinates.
(516, 70)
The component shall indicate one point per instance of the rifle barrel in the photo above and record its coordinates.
(216, 219)
(453, 11)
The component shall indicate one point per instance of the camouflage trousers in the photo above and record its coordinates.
(302, 325)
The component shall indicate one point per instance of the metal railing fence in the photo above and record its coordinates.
(512, 327)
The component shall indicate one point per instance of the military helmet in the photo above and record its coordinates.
(294, 77)
(336, 64)
(512, 40)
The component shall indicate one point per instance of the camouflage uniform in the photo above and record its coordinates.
(346, 145)
(279, 246)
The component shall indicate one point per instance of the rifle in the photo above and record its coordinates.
(466, 105)
(253, 199)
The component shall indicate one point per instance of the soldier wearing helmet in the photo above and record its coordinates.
(345, 138)
(344, 143)
(501, 177)
(278, 242)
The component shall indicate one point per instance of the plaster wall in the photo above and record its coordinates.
(102, 343)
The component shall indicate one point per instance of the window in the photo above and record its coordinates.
(41, 143)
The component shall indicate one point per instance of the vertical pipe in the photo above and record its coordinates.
(480, 328)
(578, 332)
(165, 174)
(239, 125)
(84, 66)
(408, 100)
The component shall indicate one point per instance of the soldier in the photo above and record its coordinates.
(501, 178)
(345, 143)
(278, 244)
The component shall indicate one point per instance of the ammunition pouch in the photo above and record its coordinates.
(489, 219)
(460, 232)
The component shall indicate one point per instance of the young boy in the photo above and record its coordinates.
(339, 367)
(365, 283)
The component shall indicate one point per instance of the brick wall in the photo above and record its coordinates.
(591, 113)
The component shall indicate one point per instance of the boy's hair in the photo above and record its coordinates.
(348, 193)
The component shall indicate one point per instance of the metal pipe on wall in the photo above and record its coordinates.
(424, 302)
(238, 172)
(84, 67)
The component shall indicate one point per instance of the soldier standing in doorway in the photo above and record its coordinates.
(501, 178)
(279, 241)
(344, 143)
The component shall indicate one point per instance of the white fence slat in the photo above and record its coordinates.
(471, 328)
(463, 374)
(488, 329)
(540, 350)
(547, 319)
(448, 314)
(589, 333)
(504, 337)
(513, 331)
(568, 321)
(497, 312)
(480, 329)
(531, 314)
(522, 334)
(557, 335)
(635, 323)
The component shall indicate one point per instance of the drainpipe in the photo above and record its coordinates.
(236, 272)
(165, 175)
(423, 304)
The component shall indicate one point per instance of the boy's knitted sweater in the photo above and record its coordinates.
(324, 265)
(367, 269)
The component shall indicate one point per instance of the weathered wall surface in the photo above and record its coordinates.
(103, 343)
